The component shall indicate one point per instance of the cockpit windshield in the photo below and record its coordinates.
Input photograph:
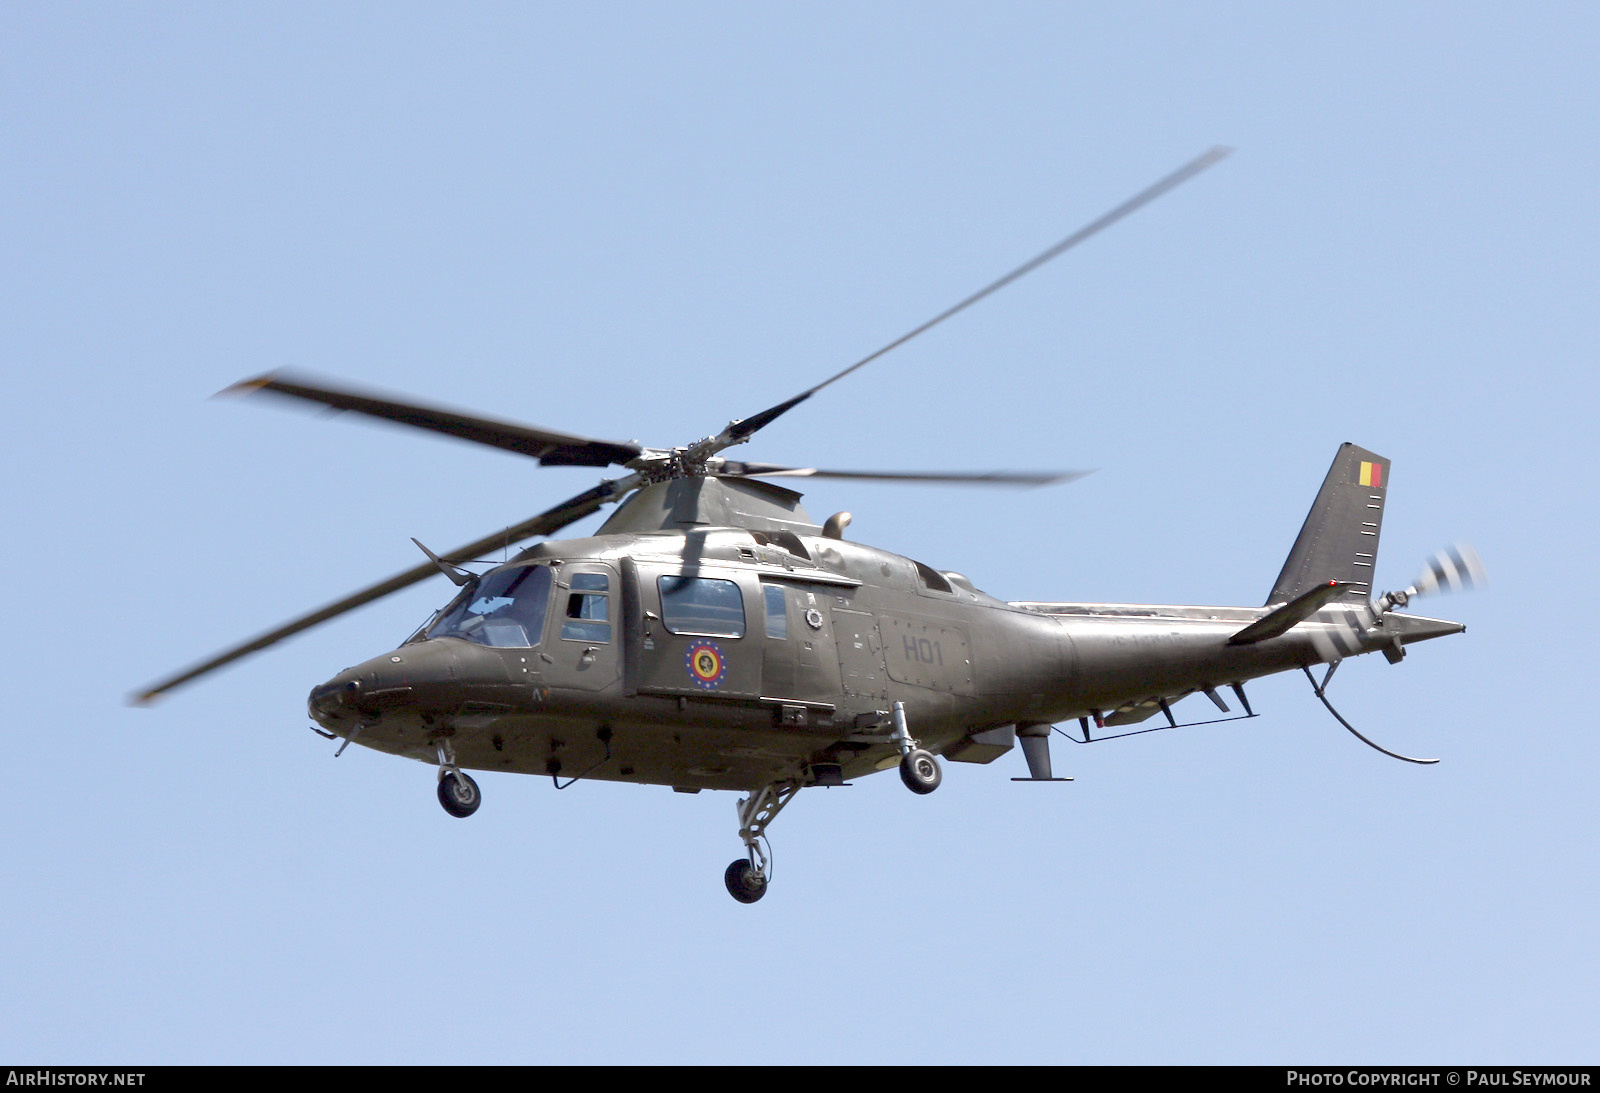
(505, 610)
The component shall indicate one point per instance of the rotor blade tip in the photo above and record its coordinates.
(1058, 479)
(1054, 479)
(244, 387)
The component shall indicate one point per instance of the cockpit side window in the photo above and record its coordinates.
(505, 610)
(588, 615)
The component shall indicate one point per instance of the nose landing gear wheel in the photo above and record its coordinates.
(459, 794)
(919, 770)
(745, 882)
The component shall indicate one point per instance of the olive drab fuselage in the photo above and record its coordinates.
(726, 658)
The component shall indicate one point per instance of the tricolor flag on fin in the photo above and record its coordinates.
(1372, 474)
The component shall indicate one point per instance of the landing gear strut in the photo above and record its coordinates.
(458, 793)
(919, 770)
(747, 877)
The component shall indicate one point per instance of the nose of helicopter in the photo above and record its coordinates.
(329, 701)
(409, 676)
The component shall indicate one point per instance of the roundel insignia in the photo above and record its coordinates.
(706, 665)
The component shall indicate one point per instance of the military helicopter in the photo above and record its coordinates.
(712, 635)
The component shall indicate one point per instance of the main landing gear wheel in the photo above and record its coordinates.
(919, 770)
(459, 795)
(745, 882)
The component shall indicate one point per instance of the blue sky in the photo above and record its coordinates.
(638, 220)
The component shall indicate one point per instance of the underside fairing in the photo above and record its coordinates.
(663, 740)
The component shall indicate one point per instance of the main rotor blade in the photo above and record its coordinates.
(741, 430)
(546, 445)
(547, 522)
(734, 469)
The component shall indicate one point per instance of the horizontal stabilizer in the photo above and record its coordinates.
(1283, 619)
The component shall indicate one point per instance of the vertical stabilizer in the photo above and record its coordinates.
(1339, 541)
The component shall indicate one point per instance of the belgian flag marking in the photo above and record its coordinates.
(1372, 474)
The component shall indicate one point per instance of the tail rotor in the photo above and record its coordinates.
(1455, 569)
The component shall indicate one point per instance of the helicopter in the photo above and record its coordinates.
(710, 635)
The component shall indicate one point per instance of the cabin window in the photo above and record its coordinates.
(588, 615)
(505, 610)
(777, 612)
(706, 606)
